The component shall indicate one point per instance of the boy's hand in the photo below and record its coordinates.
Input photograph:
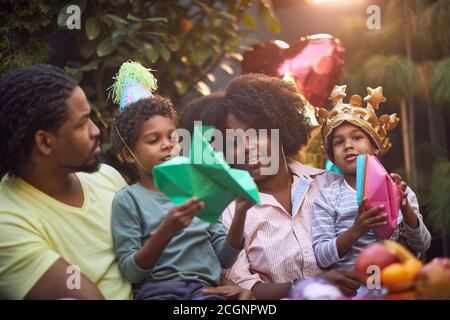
(401, 185)
(179, 217)
(368, 219)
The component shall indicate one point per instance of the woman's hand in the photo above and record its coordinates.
(231, 292)
(242, 205)
(346, 280)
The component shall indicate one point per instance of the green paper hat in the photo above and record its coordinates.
(206, 175)
(132, 83)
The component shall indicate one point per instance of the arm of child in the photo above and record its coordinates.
(136, 261)
(178, 218)
(366, 219)
(324, 232)
(417, 235)
(330, 249)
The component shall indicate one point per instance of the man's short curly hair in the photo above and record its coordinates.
(129, 121)
(31, 99)
(269, 103)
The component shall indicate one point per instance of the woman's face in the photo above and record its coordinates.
(256, 152)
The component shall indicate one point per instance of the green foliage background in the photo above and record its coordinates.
(183, 41)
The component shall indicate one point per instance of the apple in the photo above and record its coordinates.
(433, 282)
(444, 263)
(373, 255)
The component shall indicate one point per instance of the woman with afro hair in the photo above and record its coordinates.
(278, 242)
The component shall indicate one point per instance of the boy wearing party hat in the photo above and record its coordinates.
(341, 228)
(164, 250)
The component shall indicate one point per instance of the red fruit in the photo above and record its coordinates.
(443, 263)
(374, 255)
(432, 282)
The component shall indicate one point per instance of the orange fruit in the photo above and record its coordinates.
(400, 276)
(413, 266)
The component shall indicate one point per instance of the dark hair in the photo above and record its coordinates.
(209, 109)
(129, 121)
(269, 103)
(31, 99)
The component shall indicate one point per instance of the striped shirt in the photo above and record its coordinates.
(335, 210)
(278, 244)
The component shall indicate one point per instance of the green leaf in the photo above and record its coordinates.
(249, 21)
(165, 54)
(115, 18)
(135, 43)
(173, 43)
(74, 73)
(92, 28)
(133, 18)
(270, 20)
(113, 61)
(156, 20)
(180, 86)
(105, 47)
(135, 27)
(119, 36)
(62, 16)
(91, 66)
(150, 53)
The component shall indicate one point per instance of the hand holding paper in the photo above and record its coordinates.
(375, 184)
(206, 175)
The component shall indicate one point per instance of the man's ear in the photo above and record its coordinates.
(44, 141)
(126, 154)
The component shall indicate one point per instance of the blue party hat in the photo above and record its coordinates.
(132, 83)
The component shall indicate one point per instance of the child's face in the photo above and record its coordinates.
(349, 141)
(156, 142)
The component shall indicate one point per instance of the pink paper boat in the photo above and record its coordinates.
(374, 183)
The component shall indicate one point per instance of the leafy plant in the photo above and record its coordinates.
(184, 42)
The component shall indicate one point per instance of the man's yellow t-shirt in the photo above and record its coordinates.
(36, 230)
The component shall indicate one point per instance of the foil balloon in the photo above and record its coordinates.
(315, 62)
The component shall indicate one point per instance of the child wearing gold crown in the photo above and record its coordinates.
(341, 228)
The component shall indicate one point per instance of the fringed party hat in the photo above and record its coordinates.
(132, 83)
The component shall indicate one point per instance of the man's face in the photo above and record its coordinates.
(77, 145)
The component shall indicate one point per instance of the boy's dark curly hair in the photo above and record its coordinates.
(129, 121)
(269, 103)
(31, 99)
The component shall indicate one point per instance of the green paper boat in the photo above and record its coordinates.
(206, 175)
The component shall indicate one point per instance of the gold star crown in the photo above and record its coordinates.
(354, 113)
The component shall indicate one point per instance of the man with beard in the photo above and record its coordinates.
(55, 207)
